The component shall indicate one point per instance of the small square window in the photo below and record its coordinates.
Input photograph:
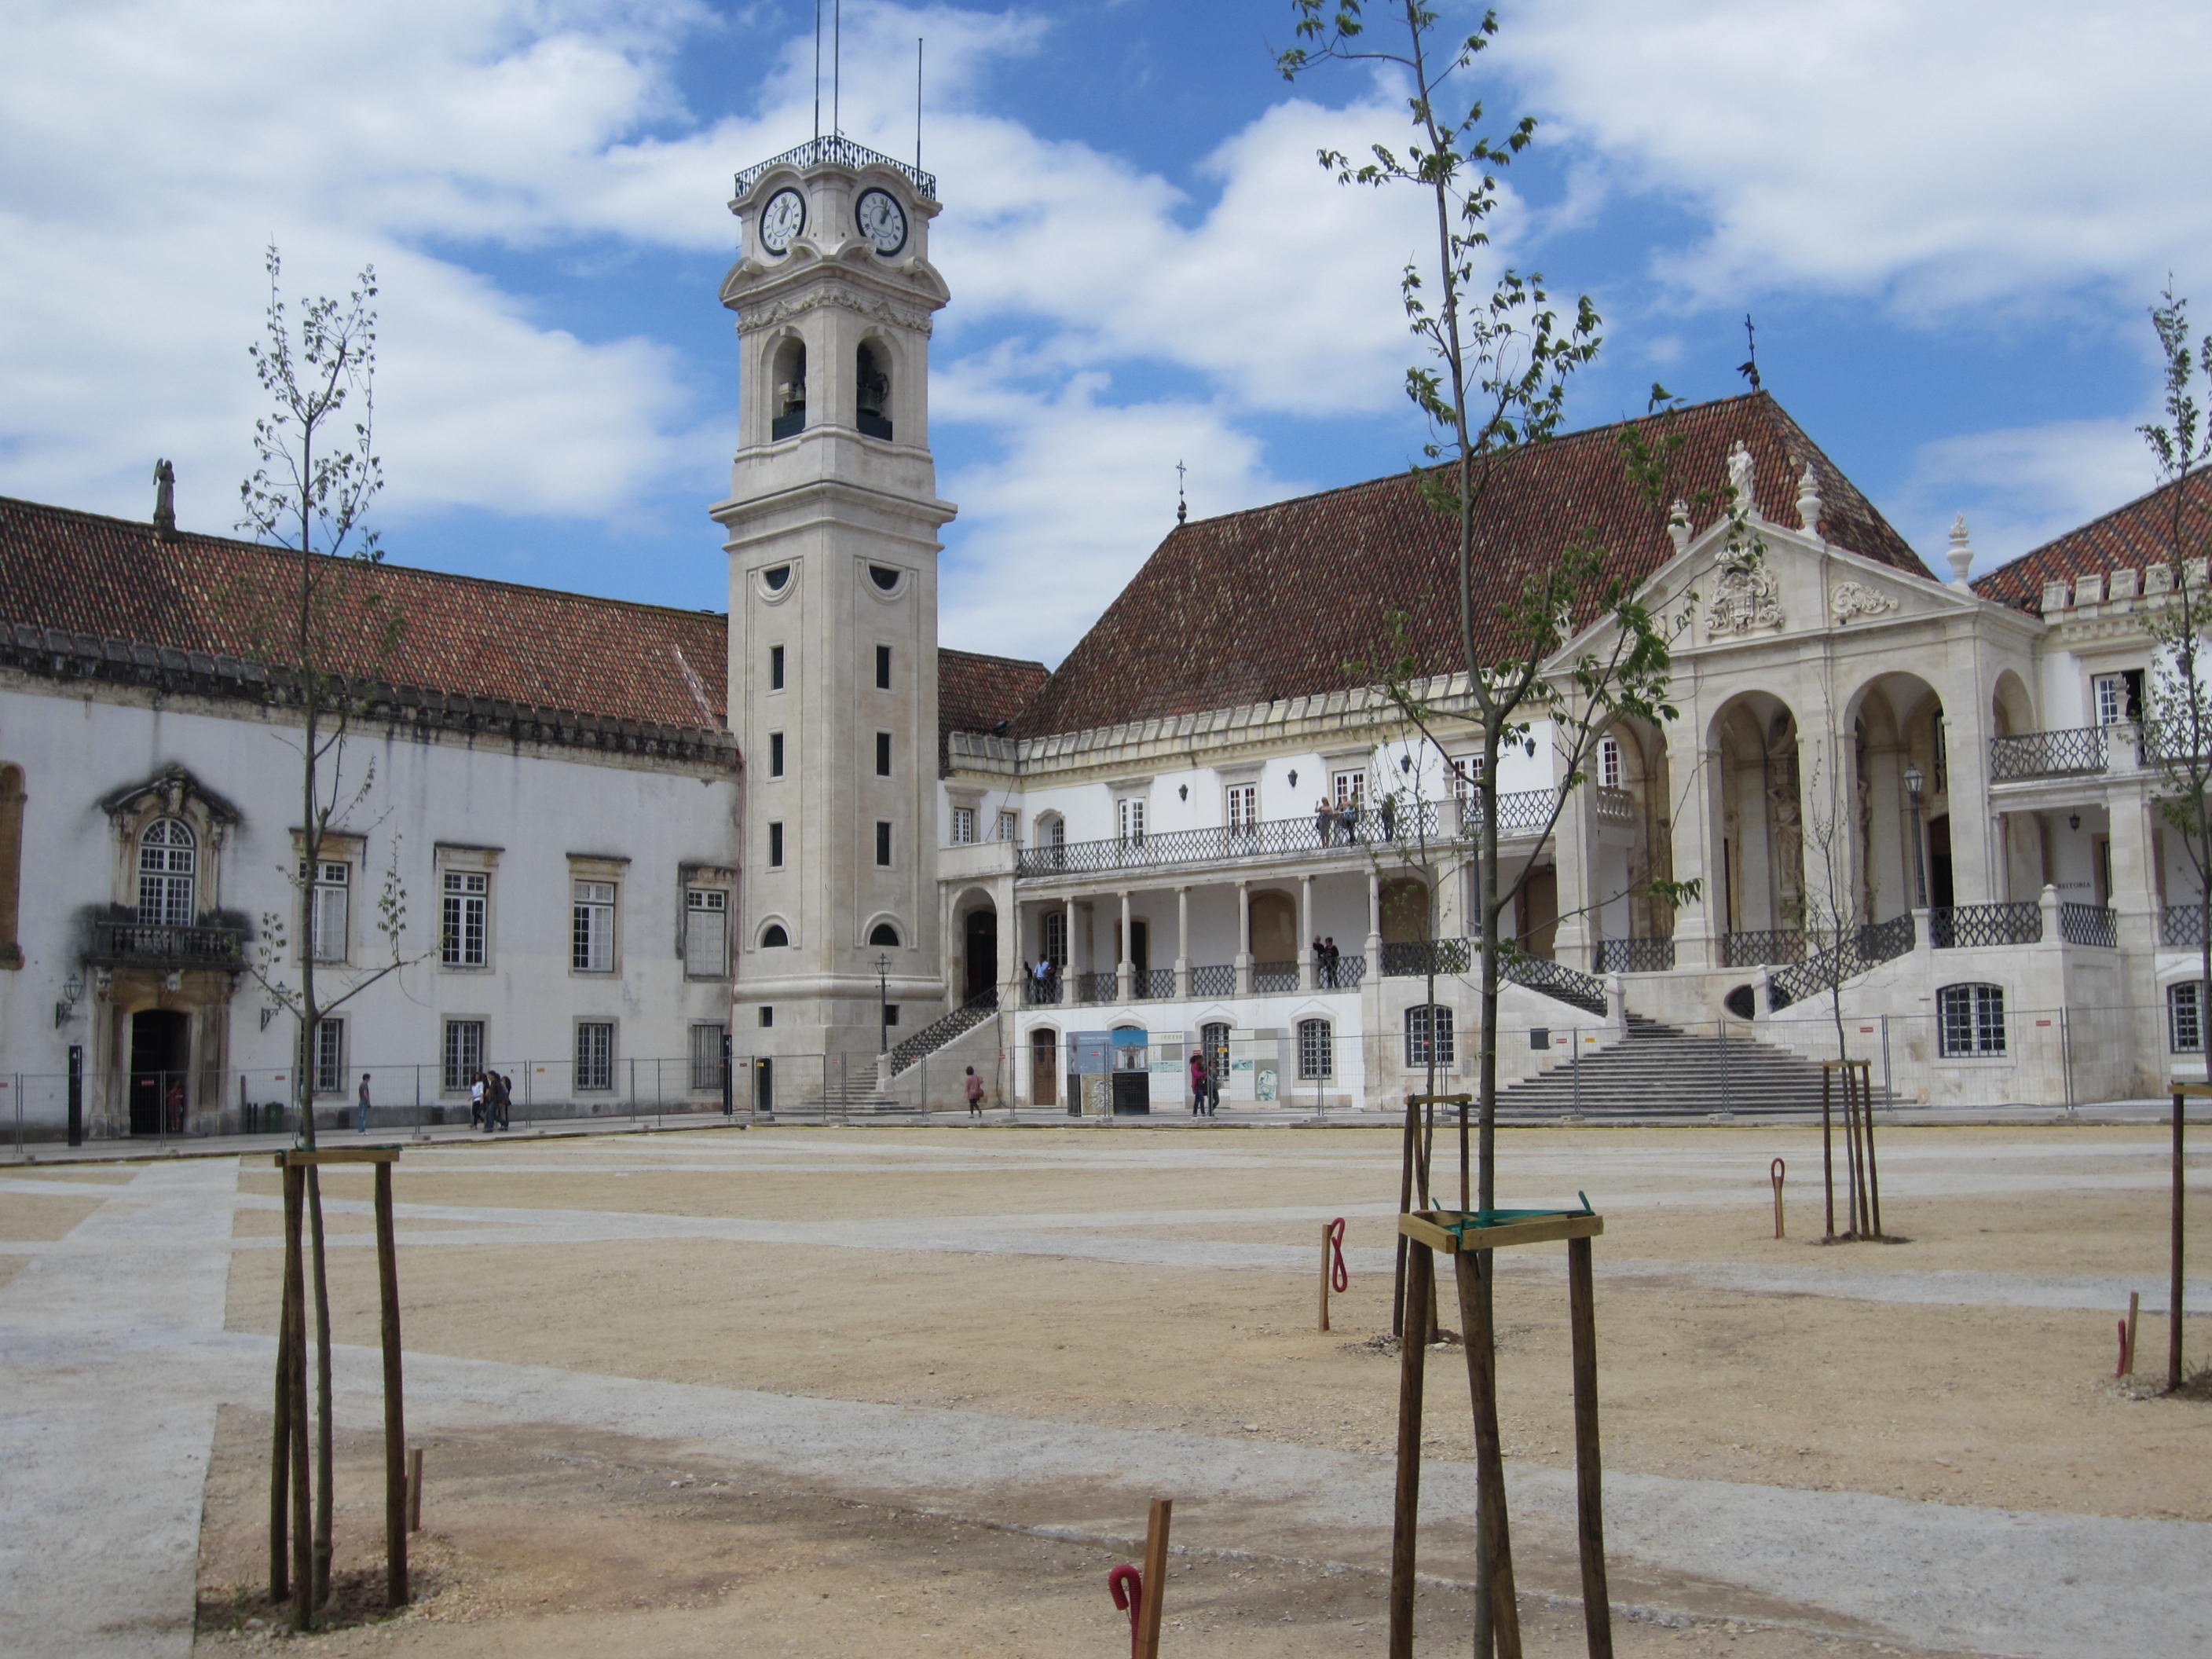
(767, 1017)
(776, 668)
(775, 846)
(775, 754)
(890, 1013)
(883, 754)
(883, 668)
(882, 843)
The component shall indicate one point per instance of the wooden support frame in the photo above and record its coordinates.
(288, 1461)
(1863, 1199)
(1472, 1241)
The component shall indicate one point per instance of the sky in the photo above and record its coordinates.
(1948, 219)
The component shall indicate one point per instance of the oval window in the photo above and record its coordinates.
(776, 577)
(883, 577)
(773, 937)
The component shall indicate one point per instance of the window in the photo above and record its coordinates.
(330, 1057)
(775, 846)
(883, 754)
(2118, 696)
(884, 842)
(777, 576)
(1349, 786)
(883, 933)
(964, 828)
(1466, 775)
(1009, 826)
(883, 668)
(330, 910)
(591, 933)
(706, 1044)
(773, 937)
(872, 395)
(1971, 1020)
(890, 1013)
(1130, 815)
(1317, 1052)
(1055, 938)
(11, 864)
(464, 1052)
(2184, 1017)
(166, 858)
(775, 754)
(1244, 799)
(767, 1017)
(706, 932)
(776, 668)
(1608, 763)
(1428, 1028)
(595, 1054)
(884, 576)
(467, 895)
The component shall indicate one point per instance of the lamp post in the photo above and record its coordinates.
(883, 1004)
(1913, 782)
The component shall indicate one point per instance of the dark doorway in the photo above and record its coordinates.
(764, 1086)
(1539, 911)
(1140, 948)
(981, 947)
(160, 1053)
(1044, 1063)
(1939, 862)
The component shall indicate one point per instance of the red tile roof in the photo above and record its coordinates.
(2127, 539)
(1276, 601)
(975, 693)
(463, 636)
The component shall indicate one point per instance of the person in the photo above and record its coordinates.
(1348, 811)
(1324, 819)
(1320, 962)
(1212, 1090)
(973, 1087)
(361, 1110)
(175, 1103)
(506, 1100)
(476, 1101)
(1197, 1081)
(1390, 817)
(1329, 956)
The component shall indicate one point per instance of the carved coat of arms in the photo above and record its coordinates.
(1746, 595)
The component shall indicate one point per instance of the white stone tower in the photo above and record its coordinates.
(832, 524)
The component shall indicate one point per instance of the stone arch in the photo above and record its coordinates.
(1898, 735)
(784, 359)
(1275, 927)
(975, 931)
(874, 378)
(1406, 910)
(2012, 708)
(1757, 866)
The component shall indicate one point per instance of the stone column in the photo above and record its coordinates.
(1374, 924)
(1125, 969)
(1698, 846)
(1182, 942)
(1305, 933)
(1067, 968)
(1243, 939)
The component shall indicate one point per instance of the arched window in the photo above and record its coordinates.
(2184, 1017)
(871, 391)
(1971, 1020)
(773, 937)
(1429, 1029)
(1316, 1049)
(11, 865)
(167, 857)
(1608, 763)
(883, 933)
(787, 399)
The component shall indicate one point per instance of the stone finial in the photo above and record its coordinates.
(1678, 525)
(165, 502)
(1808, 501)
(1962, 551)
(1742, 481)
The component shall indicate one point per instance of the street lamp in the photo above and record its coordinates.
(883, 1004)
(1913, 782)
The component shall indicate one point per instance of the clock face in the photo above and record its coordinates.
(783, 218)
(882, 220)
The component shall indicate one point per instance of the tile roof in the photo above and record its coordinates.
(974, 692)
(463, 636)
(1276, 601)
(2127, 539)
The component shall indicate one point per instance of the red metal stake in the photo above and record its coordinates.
(1127, 1586)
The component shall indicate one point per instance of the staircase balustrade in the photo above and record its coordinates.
(1969, 926)
(964, 1018)
(1866, 947)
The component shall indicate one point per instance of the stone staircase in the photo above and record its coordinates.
(1662, 1070)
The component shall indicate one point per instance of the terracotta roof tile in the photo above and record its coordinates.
(975, 693)
(462, 635)
(1276, 601)
(2127, 539)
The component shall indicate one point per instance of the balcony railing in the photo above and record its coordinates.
(1417, 958)
(2182, 925)
(1270, 977)
(1045, 995)
(1635, 956)
(2089, 924)
(1615, 806)
(1098, 988)
(1214, 980)
(964, 1018)
(2047, 754)
(1155, 982)
(159, 945)
(835, 149)
(1969, 926)
(1770, 947)
(1867, 947)
(1342, 974)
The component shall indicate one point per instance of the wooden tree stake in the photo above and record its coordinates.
(1405, 1521)
(1589, 1502)
(1147, 1644)
(395, 1422)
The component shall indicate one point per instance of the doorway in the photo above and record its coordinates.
(1140, 949)
(1213, 1043)
(764, 1086)
(160, 1053)
(1044, 1067)
(981, 944)
(1539, 911)
(1939, 862)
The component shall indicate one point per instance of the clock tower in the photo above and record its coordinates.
(831, 528)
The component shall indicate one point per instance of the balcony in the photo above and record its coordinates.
(2079, 752)
(158, 944)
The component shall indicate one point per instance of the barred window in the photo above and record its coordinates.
(592, 931)
(330, 1057)
(1428, 1026)
(1316, 1049)
(707, 1042)
(595, 1054)
(467, 896)
(464, 1052)
(2184, 1017)
(1971, 1019)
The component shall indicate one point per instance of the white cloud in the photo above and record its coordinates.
(1956, 154)
(2020, 487)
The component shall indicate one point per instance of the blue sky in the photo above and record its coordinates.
(1947, 219)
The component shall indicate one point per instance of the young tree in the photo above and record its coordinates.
(317, 473)
(2179, 719)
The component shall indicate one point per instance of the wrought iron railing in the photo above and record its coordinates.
(154, 943)
(1635, 956)
(1269, 977)
(1045, 995)
(1867, 947)
(2047, 754)
(835, 149)
(1214, 980)
(1098, 988)
(1554, 979)
(1966, 926)
(1773, 946)
(2089, 924)
(2182, 925)
(1341, 974)
(1155, 982)
(1416, 958)
(964, 1018)
(1275, 838)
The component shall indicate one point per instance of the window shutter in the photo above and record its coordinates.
(329, 924)
(705, 944)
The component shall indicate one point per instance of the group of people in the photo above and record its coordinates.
(1204, 1086)
(1326, 956)
(1042, 975)
(1337, 822)
(490, 1097)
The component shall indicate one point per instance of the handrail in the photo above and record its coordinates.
(2182, 925)
(1964, 927)
(1866, 947)
(1762, 947)
(2089, 924)
(123, 942)
(2047, 754)
(1635, 956)
(835, 149)
(964, 1018)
